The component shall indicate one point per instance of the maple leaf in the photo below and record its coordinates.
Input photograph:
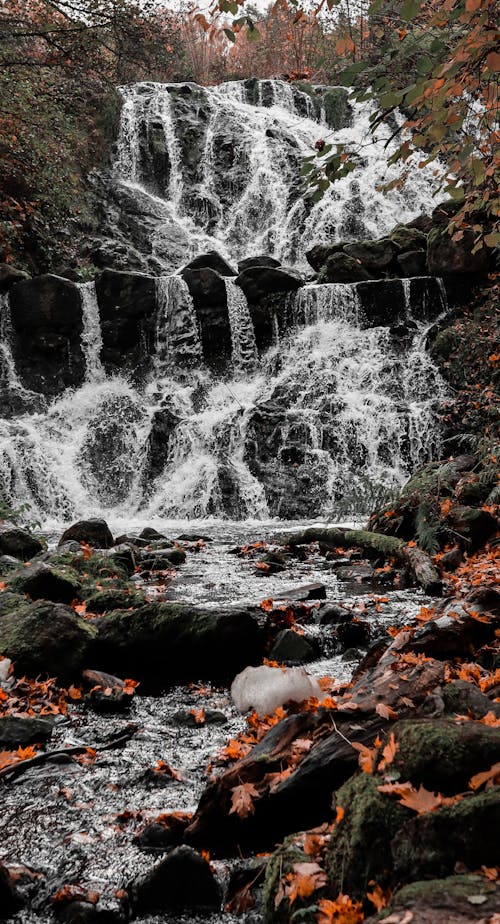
(199, 715)
(234, 750)
(388, 753)
(366, 757)
(385, 711)
(303, 880)
(165, 769)
(344, 910)
(378, 896)
(242, 799)
(420, 800)
(491, 776)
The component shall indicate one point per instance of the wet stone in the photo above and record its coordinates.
(182, 880)
(305, 592)
(292, 648)
(20, 732)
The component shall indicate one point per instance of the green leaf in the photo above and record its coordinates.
(347, 76)
(410, 9)
(391, 99)
(424, 65)
(231, 36)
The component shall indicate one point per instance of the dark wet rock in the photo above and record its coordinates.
(9, 901)
(127, 307)
(453, 559)
(318, 255)
(412, 263)
(161, 643)
(126, 555)
(208, 292)
(9, 275)
(163, 425)
(164, 832)
(18, 542)
(132, 540)
(462, 698)
(340, 267)
(359, 572)
(182, 880)
(46, 315)
(105, 692)
(374, 255)
(354, 634)
(8, 563)
(43, 582)
(152, 534)
(334, 613)
(17, 732)
(259, 260)
(211, 260)
(244, 885)
(162, 558)
(446, 256)
(259, 281)
(46, 638)
(455, 900)
(443, 755)
(292, 648)
(360, 844)
(474, 524)
(94, 532)
(193, 537)
(406, 238)
(466, 833)
(102, 601)
(305, 592)
(83, 912)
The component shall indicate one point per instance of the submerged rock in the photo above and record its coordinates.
(127, 307)
(182, 880)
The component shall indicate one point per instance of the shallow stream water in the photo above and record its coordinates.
(76, 823)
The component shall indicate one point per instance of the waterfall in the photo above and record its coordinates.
(338, 404)
(244, 350)
(202, 168)
(177, 340)
(91, 336)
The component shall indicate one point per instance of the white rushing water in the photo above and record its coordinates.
(212, 170)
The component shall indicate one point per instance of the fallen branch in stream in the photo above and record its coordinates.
(14, 770)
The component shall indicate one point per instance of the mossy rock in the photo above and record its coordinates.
(431, 845)
(374, 255)
(103, 601)
(445, 344)
(360, 845)
(338, 111)
(407, 239)
(279, 865)
(96, 567)
(46, 638)
(443, 755)
(41, 581)
(318, 255)
(468, 896)
(160, 643)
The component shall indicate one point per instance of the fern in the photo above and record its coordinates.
(494, 495)
(427, 527)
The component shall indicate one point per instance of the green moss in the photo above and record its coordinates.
(360, 846)
(45, 638)
(338, 111)
(280, 863)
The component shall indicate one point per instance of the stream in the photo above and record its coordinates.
(74, 823)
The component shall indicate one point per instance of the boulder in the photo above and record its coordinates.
(318, 255)
(211, 260)
(44, 582)
(340, 267)
(163, 425)
(208, 292)
(151, 534)
(183, 880)
(448, 257)
(412, 263)
(19, 732)
(304, 592)
(259, 281)
(443, 755)
(431, 845)
(18, 542)
(103, 601)
(47, 322)
(127, 308)
(383, 302)
(94, 532)
(360, 844)
(474, 524)
(374, 255)
(161, 643)
(457, 899)
(292, 648)
(46, 638)
(259, 260)
(9, 275)
(406, 238)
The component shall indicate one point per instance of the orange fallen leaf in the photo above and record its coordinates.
(302, 881)
(491, 776)
(344, 910)
(385, 711)
(378, 896)
(366, 757)
(199, 716)
(388, 753)
(242, 799)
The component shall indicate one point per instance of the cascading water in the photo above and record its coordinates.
(333, 409)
